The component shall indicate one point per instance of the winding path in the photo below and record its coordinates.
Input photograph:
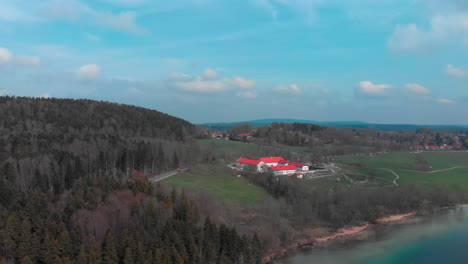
(394, 173)
(435, 171)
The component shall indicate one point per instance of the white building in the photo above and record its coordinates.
(284, 170)
(273, 161)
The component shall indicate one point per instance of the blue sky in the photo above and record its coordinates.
(386, 61)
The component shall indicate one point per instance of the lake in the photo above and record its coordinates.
(442, 238)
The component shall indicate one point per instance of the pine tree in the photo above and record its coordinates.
(82, 257)
(26, 260)
(110, 251)
(24, 244)
(94, 252)
(129, 256)
(149, 258)
(66, 247)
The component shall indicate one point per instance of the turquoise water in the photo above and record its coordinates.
(435, 240)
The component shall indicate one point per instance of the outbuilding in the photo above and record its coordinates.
(283, 170)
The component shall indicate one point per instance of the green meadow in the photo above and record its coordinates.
(221, 181)
(453, 166)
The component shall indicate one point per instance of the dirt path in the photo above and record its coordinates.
(394, 173)
(435, 171)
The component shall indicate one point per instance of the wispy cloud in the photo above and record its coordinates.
(88, 72)
(68, 10)
(455, 72)
(417, 89)
(290, 89)
(445, 101)
(369, 89)
(5, 56)
(210, 82)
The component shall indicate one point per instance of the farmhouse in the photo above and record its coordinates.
(251, 165)
(300, 166)
(273, 161)
(283, 170)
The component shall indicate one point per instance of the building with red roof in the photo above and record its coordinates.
(273, 161)
(248, 161)
(300, 165)
(251, 165)
(284, 170)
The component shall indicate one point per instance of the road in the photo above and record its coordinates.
(165, 175)
(394, 173)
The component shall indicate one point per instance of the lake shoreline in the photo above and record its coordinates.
(349, 232)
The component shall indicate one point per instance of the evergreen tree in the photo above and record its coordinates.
(94, 252)
(26, 260)
(110, 251)
(129, 256)
(82, 257)
(25, 245)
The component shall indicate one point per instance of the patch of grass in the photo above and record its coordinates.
(404, 165)
(219, 180)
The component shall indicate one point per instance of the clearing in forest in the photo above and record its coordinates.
(221, 181)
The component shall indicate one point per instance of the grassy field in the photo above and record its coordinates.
(406, 166)
(219, 180)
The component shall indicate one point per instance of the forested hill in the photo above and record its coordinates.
(50, 143)
(74, 117)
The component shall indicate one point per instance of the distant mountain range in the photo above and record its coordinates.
(338, 124)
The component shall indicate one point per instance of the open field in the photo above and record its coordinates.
(219, 180)
(440, 169)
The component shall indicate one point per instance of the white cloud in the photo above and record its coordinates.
(445, 101)
(3, 92)
(293, 89)
(444, 26)
(202, 86)
(69, 10)
(45, 96)
(124, 21)
(243, 83)
(408, 39)
(370, 89)
(417, 89)
(5, 56)
(453, 71)
(209, 82)
(248, 94)
(28, 60)
(210, 74)
(88, 72)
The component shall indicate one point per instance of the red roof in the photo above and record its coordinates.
(297, 164)
(282, 168)
(248, 161)
(273, 160)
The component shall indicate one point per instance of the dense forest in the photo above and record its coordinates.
(74, 188)
(49, 143)
(109, 222)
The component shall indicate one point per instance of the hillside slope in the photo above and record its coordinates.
(49, 143)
